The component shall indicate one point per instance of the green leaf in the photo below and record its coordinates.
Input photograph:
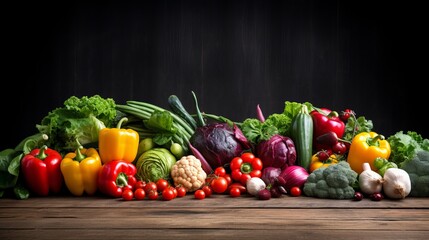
(161, 122)
(15, 165)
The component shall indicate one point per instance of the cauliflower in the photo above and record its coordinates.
(187, 172)
(335, 181)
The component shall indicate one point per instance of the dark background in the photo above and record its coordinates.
(370, 56)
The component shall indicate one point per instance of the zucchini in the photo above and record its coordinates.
(302, 134)
(177, 107)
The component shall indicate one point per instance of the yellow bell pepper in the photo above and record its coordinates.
(80, 170)
(366, 147)
(317, 163)
(118, 144)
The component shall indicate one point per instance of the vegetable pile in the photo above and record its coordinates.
(137, 150)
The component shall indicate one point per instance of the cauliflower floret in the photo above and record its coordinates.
(188, 172)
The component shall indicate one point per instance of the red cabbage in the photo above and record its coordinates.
(278, 151)
(219, 143)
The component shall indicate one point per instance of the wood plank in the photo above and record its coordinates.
(209, 234)
(218, 217)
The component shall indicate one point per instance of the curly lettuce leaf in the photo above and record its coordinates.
(404, 146)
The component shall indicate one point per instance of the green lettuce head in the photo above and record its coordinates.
(155, 164)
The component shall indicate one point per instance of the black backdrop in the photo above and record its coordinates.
(369, 56)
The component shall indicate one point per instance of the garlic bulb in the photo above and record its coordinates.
(370, 181)
(397, 183)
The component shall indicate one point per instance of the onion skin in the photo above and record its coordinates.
(295, 176)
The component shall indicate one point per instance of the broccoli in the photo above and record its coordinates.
(335, 181)
(418, 169)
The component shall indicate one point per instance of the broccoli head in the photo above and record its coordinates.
(418, 169)
(335, 181)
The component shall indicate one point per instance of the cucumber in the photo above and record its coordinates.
(302, 134)
(177, 107)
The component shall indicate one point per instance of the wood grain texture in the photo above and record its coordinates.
(220, 216)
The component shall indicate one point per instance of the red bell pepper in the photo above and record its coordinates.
(41, 169)
(326, 121)
(245, 167)
(114, 176)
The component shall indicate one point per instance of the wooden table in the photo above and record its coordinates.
(217, 217)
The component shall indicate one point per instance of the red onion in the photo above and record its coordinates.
(295, 176)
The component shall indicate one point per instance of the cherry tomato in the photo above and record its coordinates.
(161, 184)
(127, 194)
(199, 194)
(132, 181)
(220, 171)
(181, 191)
(168, 194)
(323, 155)
(140, 184)
(150, 186)
(339, 148)
(207, 190)
(152, 195)
(174, 191)
(244, 178)
(238, 185)
(139, 194)
(127, 187)
(345, 115)
(228, 178)
(219, 185)
(295, 191)
(235, 192)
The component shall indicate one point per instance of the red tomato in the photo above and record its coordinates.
(220, 171)
(127, 194)
(139, 194)
(207, 190)
(150, 186)
(228, 178)
(181, 191)
(153, 195)
(161, 184)
(339, 148)
(236, 174)
(219, 185)
(238, 185)
(132, 181)
(295, 191)
(140, 184)
(127, 187)
(199, 194)
(174, 191)
(244, 178)
(168, 194)
(235, 192)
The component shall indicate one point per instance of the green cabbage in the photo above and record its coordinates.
(155, 164)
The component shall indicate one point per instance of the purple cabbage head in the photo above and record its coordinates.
(278, 151)
(219, 143)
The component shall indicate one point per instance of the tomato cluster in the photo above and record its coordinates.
(161, 189)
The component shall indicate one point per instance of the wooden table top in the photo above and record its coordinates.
(216, 217)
